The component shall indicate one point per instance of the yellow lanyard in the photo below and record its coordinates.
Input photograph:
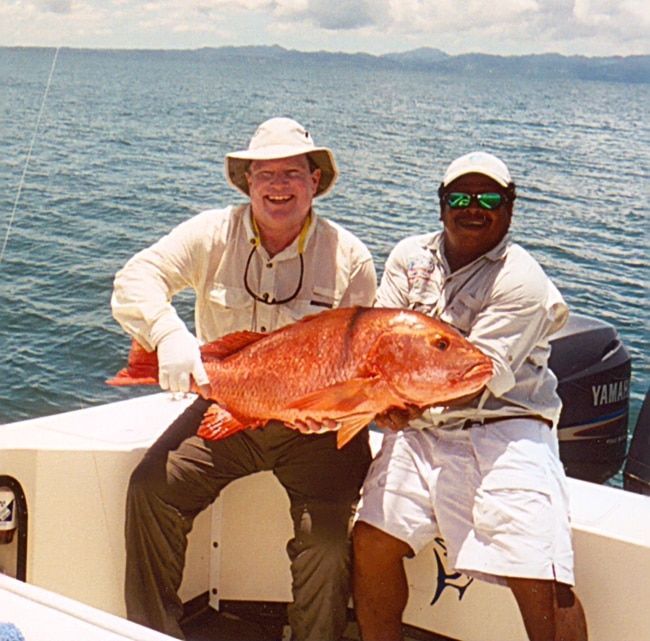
(266, 299)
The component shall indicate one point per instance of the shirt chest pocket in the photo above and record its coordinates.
(227, 298)
(324, 298)
(461, 311)
(424, 297)
(319, 300)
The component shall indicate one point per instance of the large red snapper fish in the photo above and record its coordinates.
(348, 365)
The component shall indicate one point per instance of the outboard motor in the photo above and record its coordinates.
(593, 368)
(636, 475)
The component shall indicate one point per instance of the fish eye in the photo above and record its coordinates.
(442, 344)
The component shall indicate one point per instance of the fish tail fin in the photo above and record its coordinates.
(142, 368)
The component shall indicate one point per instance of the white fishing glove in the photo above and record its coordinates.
(178, 359)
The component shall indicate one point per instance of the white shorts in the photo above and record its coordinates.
(496, 493)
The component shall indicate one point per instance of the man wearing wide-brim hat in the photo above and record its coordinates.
(256, 266)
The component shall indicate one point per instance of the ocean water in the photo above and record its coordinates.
(129, 144)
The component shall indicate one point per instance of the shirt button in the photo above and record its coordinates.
(269, 265)
(262, 329)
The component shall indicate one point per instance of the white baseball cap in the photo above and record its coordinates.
(281, 138)
(478, 162)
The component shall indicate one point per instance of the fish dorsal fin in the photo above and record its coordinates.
(350, 427)
(342, 312)
(230, 344)
(218, 422)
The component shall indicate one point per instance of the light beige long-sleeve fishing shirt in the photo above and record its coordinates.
(210, 254)
(503, 303)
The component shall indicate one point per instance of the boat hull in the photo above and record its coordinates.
(74, 470)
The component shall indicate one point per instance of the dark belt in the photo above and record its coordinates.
(495, 419)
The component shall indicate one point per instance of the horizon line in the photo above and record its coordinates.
(325, 51)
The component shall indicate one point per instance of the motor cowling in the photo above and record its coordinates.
(594, 371)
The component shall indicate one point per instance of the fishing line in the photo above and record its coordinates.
(98, 476)
(29, 155)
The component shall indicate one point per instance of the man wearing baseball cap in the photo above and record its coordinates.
(484, 474)
(256, 266)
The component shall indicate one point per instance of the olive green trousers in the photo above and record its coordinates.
(182, 474)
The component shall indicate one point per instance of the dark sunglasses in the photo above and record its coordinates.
(460, 200)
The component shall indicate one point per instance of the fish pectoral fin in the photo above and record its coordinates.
(350, 427)
(342, 397)
(218, 423)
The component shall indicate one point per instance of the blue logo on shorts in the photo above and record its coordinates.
(456, 580)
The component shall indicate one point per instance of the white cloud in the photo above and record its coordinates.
(630, 18)
(57, 6)
(508, 26)
(325, 14)
(592, 27)
(462, 15)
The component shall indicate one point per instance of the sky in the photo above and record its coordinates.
(502, 27)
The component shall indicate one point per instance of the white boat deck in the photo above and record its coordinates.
(40, 615)
(74, 468)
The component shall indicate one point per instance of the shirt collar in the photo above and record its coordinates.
(288, 252)
(434, 243)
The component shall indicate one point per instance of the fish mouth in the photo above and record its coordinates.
(480, 370)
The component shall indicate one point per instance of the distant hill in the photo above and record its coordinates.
(614, 68)
(635, 69)
(421, 56)
(631, 69)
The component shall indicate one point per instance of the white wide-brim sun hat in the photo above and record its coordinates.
(281, 138)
